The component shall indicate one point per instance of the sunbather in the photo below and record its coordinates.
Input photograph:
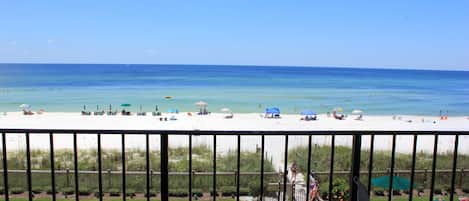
(339, 117)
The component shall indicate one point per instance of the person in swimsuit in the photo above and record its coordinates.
(313, 188)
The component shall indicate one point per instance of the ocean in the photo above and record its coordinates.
(243, 89)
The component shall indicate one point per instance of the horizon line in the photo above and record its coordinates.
(247, 65)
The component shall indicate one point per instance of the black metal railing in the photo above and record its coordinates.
(164, 169)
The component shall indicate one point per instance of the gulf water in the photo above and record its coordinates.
(67, 87)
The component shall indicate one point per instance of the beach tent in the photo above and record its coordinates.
(272, 112)
(308, 113)
(202, 107)
(398, 183)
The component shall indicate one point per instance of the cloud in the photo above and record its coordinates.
(12, 42)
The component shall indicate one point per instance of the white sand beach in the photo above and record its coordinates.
(240, 122)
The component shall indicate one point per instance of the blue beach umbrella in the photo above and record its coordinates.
(273, 110)
(173, 111)
(308, 112)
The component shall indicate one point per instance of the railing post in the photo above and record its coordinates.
(262, 168)
(331, 170)
(67, 175)
(190, 167)
(124, 193)
(5, 167)
(28, 167)
(285, 170)
(435, 153)
(214, 168)
(238, 165)
(453, 173)
(355, 177)
(52, 165)
(147, 168)
(164, 168)
(370, 165)
(75, 162)
(308, 167)
(412, 174)
(391, 172)
(100, 168)
(109, 184)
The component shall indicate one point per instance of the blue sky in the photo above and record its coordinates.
(382, 34)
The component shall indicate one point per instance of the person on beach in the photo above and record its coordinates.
(293, 168)
(313, 188)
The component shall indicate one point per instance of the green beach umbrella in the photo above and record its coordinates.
(125, 105)
(398, 183)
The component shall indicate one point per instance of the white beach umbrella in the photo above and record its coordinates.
(357, 112)
(25, 106)
(201, 104)
(225, 110)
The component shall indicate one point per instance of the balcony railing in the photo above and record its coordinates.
(164, 172)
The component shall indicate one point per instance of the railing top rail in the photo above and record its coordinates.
(234, 132)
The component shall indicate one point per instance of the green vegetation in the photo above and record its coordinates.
(135, 161)
(382, 160)
(202, 162)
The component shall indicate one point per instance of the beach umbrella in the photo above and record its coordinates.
(225, 110)
(338, 109)
(273, 110)
(398, 183)
(125, 105)
(173, 111)
(308, 112)
(201, 104)
(25, 106)
(357, 112)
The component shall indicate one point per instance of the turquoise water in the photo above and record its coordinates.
(67, 87)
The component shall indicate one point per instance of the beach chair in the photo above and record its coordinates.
(110, 112)
(156, 112)
(84, 112)
(126, 113)
(28, 112)
(141, 113)
(360, 117)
